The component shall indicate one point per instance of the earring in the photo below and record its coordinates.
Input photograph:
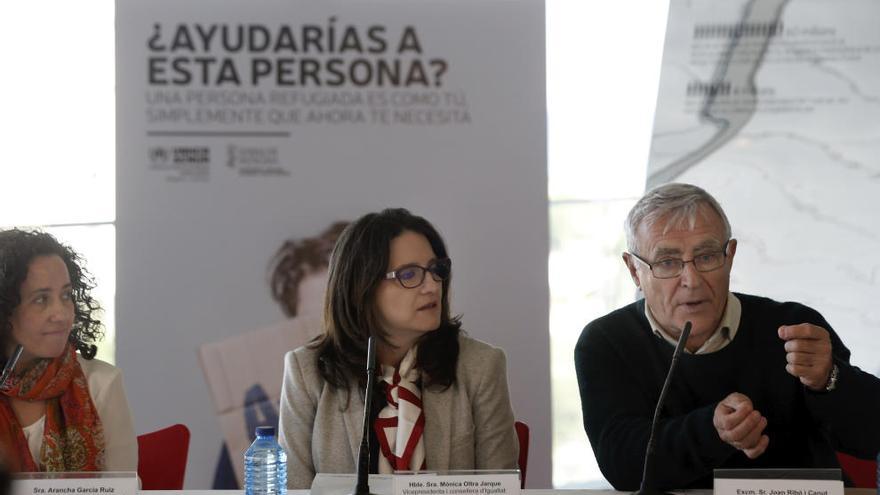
(87, 351)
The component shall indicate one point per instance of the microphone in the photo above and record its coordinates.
(10, 365)
(647, 487)
(363, 467)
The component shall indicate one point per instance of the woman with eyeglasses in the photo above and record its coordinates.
(441, 399)
(60, 409)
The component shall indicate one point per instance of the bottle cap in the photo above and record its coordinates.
(265, 431)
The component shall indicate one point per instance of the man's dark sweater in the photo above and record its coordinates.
(621, 365)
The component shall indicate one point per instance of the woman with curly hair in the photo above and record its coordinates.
(60, 410)
(442, 400)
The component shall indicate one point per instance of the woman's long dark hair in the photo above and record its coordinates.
(18, 248)
(357, 266)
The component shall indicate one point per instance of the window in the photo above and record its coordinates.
(603, 69)
(59, 136)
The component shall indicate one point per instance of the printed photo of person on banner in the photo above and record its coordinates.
(248, 397)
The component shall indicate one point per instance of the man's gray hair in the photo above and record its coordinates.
(677, 203)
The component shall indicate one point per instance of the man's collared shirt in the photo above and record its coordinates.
(722, 336)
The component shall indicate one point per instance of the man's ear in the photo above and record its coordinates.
(731, 249)
(631, 266)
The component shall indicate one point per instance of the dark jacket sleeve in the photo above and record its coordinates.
(849, 412)
(617, 416)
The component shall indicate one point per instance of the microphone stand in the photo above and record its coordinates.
(647, 487)
(10, 365)
(363, 468)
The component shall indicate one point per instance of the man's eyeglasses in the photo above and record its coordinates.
(672, 267)
(412, 276)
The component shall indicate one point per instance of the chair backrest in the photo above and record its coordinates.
(162, 458)
(522, 434)
(862, 473)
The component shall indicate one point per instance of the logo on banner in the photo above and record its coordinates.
(192, 155)
(162, 156)
(255, 161)
(181, 163)
(158, 155)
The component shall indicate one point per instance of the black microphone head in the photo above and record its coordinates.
(371, 354)
(682, 340)
(687, 331)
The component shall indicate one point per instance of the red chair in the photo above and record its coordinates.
(522, 434)
(862, 473)
(162, 458)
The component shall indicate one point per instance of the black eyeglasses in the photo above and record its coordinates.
(672, 267)
(412, 276)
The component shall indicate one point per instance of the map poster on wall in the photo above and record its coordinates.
(774, 107)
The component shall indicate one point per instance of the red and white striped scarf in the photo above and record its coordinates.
(401, 423)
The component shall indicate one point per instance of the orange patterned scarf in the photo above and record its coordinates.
(73, 439)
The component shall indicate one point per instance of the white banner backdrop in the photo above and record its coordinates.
(773, 106)
(243, 124)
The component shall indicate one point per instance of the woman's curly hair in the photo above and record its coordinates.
(18, 248)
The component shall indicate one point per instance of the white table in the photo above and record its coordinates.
(848, 491)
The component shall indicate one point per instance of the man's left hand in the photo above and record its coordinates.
(808, 352)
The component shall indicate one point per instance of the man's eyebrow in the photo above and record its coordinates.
(708, 244)
(666, 251)
(671, 251)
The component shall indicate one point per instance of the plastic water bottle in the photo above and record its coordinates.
(265, 465)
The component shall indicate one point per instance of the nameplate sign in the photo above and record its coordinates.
(105, 483)
(462, 483)
(778, 482)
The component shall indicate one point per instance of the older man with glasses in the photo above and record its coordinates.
(762, 384)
